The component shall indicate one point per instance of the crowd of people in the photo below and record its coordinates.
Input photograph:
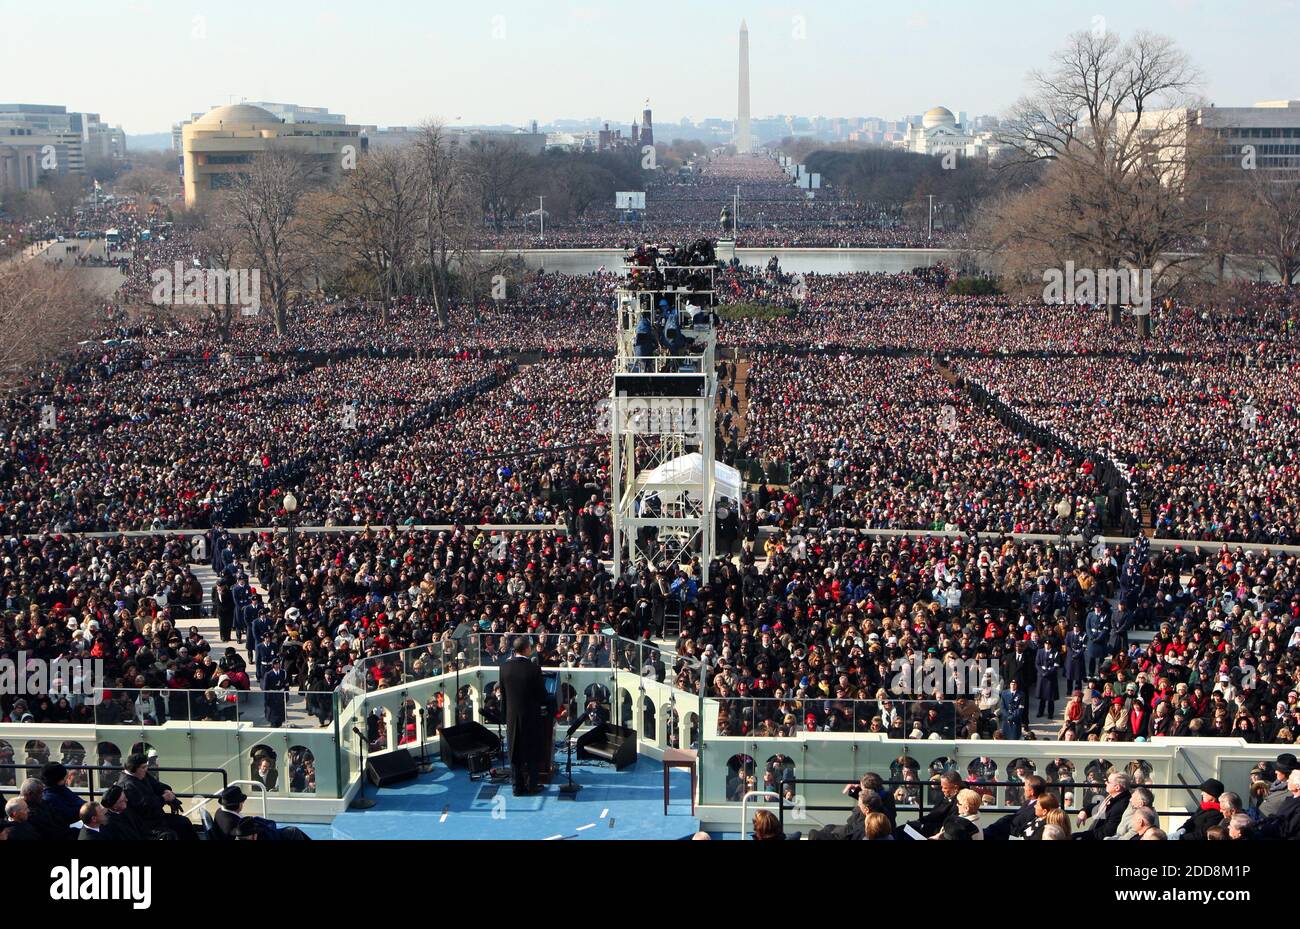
(891, 403)
(1213, 448)
(702, 201)
(887, 443)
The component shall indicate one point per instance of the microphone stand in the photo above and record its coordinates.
(361, 801)
(501, 742)
(570, 789)
(425, 765)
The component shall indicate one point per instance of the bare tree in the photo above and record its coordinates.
(265, 205)
(449, 221)
(583, 184)
(27, 205)
(65, 191)
(219, 240)
(502, 170)
(1109, 118)
(374, 221)
(144, 185)
(1273, 224)
(1218, 197)
(43, 314)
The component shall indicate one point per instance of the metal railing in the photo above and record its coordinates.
(920, 788)
(94, 791)
(261, 790)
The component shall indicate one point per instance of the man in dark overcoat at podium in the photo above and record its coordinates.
(524, 697)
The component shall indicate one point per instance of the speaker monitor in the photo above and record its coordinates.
(456, 744)
(608, 742)
(390, 768)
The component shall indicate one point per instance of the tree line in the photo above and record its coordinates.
(406, 221)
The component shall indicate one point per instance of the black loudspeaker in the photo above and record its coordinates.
(456, 744)
(608, 742)
(391, 768)
(479, 763)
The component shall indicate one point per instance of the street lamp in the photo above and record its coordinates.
(291, 507)
(1063, 512)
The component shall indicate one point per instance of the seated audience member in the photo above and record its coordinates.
(18, 828)
(944, 809)
(1104, 819)
(766, 827)
(230, 819)
(1141, 798)
(119, 824)
(93, 819)
(1209, 815)
(39, 814)
(147, 800)
(869, 800)
(878, 828)
(1015, 824)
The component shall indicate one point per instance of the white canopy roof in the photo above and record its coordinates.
(688, 469)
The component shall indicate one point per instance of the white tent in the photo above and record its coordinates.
(688, 470)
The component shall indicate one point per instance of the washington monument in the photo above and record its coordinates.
(744, 144)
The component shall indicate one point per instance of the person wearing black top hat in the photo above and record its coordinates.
(147, 799)
(227, 818)
(1209, 815)
(230, 823)
(118, 823)
(1277, 792)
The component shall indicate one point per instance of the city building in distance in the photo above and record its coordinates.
(532, 143)
(224, 141)
(293, 113)
(938, 132)
(1265, 136)
(36, 138)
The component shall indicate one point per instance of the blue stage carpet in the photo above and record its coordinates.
(445, 804)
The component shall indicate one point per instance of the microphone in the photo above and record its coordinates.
(359, 734)
(578, 721)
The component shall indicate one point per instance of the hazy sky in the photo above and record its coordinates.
(148, 63)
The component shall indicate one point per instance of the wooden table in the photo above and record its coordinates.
(680, 758)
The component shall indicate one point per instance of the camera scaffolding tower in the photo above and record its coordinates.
(661, 420)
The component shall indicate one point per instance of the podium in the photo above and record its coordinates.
(546, 763)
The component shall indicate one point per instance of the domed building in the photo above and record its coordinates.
(939, 133)
(938, 116)
(221, 143)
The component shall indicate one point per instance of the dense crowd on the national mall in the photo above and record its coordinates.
(870, 402)
(749, 200)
